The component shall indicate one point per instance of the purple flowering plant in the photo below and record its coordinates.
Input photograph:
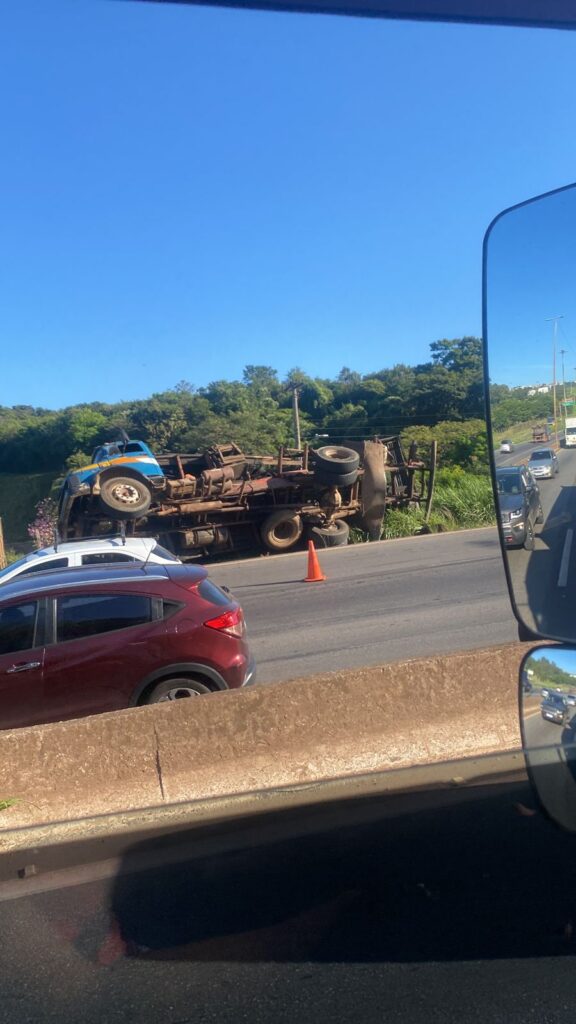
(43, 527)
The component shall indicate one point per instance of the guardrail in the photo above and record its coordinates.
(412, 713)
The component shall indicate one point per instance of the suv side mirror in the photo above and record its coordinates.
(548, 724)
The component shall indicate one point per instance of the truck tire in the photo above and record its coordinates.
(125, 497)
(174, 689)
(334, 536)
(323, 479)
(282, 530)
(333, 458)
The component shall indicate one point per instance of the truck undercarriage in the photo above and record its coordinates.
(222, 500)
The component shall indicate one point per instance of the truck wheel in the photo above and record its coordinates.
(334, 536)
(125, 496)
(174, 689)
(336, 459)
(324, 479)
(282, 530)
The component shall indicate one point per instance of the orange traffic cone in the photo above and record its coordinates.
(315, 574)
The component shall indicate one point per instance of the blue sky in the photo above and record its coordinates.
(531, 291)
(187, 190)
(563, 657)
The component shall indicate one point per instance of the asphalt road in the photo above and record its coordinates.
(545, 579)
(381, 602)
(452, 907)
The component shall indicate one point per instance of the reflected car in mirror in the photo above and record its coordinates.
(554, 708)
(519, 505)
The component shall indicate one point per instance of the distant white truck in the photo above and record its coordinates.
(570, 431)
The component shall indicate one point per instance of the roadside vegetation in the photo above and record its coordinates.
(19, 495)
(547, 673)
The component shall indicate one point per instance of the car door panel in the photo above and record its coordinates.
(98, 672)
(21, 665)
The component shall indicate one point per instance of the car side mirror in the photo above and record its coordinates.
(548, 723)
(529, 312)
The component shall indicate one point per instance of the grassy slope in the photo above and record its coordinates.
(521, 432)
(19, 493)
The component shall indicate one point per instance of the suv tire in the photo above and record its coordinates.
(529, 538)
(174, 689)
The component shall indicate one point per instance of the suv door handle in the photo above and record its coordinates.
(23, 667)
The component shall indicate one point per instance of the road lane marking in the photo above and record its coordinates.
(563, 574)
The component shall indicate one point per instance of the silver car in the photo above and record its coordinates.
(543, 463)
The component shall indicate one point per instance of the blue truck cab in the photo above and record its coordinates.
(123, 476)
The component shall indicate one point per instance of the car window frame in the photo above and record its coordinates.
(39, 631)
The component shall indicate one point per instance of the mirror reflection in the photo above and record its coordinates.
(548, 702)
(531, 336)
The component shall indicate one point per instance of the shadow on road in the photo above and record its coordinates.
(426, 880)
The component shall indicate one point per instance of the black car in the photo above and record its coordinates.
(554, 709)
(519, 505)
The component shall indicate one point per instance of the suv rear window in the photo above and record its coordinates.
(210, 592)
(81, 615)
(164, 553)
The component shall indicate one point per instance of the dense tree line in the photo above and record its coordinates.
(515, 405)
(256, 411)
(548, 672)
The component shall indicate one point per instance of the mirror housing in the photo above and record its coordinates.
(528, 296)
(547, 695)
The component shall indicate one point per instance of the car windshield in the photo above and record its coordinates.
(253, 237)
(541, 456)
(164, 553)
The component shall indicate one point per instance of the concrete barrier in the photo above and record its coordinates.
(397, 715)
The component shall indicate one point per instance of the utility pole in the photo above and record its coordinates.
(562, 353)
(296, 414)
(554, 321)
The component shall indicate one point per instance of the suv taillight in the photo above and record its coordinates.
(230, 622)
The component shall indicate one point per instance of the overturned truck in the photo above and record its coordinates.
(222, 500)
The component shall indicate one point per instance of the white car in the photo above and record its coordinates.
(71, 554)
(506, 446)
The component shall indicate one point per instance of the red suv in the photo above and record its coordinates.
(82, 641)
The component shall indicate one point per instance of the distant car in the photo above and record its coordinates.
(71, 554)
(571, 700)
(526, 685)
(554, 709)
(82, 641)
(506, 446)
(519, 505)
(543, 463)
